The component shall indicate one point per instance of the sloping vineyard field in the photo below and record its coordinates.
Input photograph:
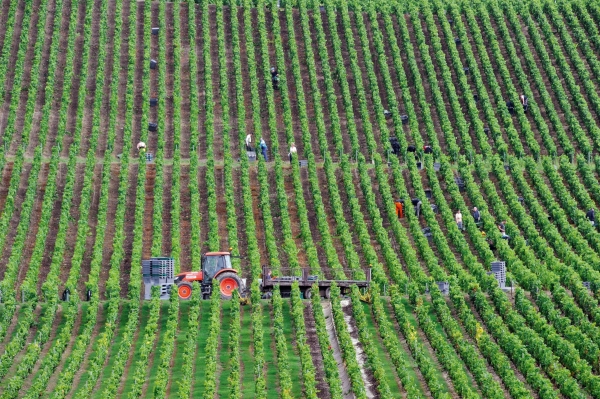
(447, 105)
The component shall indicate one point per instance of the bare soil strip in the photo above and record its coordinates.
(315, 350)
(337, 352)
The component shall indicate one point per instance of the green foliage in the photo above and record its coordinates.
(234, 349)
(212, 343)
(373, 360)
(189, 351)
(168, 346)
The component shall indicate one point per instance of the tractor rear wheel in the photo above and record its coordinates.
(229, 282)
(184, 290)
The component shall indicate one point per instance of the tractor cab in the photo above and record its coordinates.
(214, 265)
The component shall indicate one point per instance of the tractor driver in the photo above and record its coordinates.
(211, 265)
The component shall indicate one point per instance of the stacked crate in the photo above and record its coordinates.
(499, 272)
(158, 271)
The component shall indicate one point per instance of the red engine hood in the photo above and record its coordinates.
(190, 276)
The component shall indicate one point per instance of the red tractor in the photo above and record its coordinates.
(214, 265)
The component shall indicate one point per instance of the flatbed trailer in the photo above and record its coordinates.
(305, 282)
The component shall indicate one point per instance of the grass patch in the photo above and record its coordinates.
(180, 339)
(155, 354)
(223, 366)
(247, 353)
(199, 372)
(294, 364)
(270, 355)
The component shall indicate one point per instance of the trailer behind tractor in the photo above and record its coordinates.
(306, 282)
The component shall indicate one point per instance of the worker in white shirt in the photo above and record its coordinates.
(249, 142)
(141, 147)
(293, 151)
(459, 219)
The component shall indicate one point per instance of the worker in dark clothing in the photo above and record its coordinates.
(387, 114)
(591, 215)
(411, 148)
(395, 145)
(427, 149)
(511, 107)
(502, 228)
(275, 78)
(417, 204)
(476, 215)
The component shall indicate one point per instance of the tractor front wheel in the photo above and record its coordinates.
(229, 282)
(184, 290)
